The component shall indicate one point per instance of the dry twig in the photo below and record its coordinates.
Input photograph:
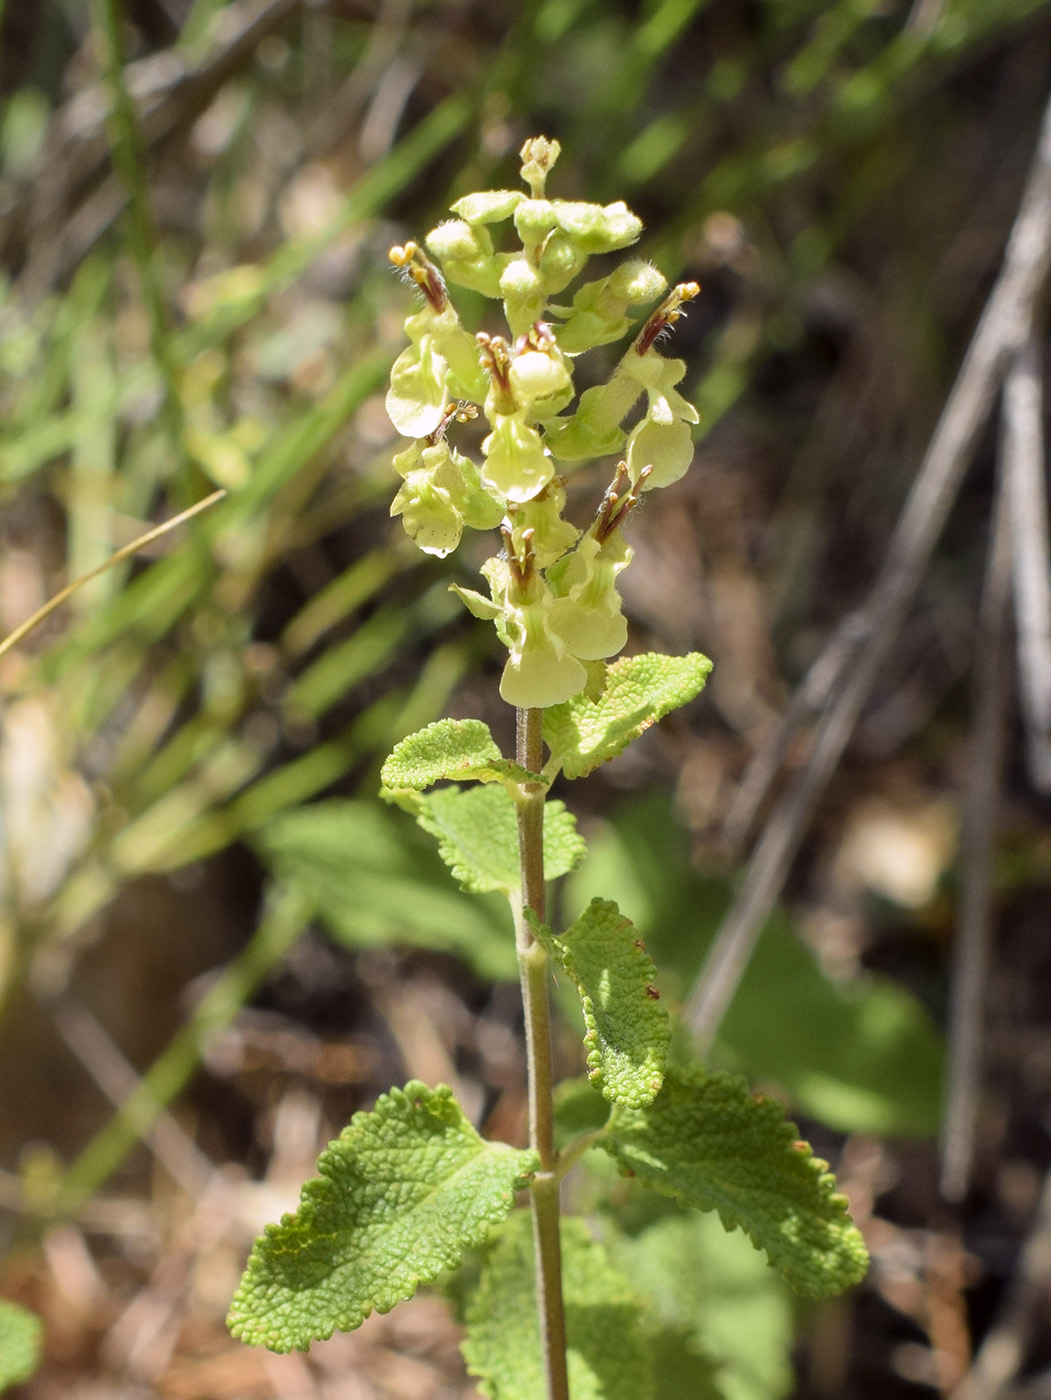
(966, 1016)
(1003, 1350)
(1024, 407)
(1002, 330)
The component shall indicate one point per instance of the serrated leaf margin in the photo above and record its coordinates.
(604, 1041)
(583, 734)
(251, 1316)
(461, 750)
(817, 1247)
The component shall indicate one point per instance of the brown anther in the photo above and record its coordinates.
(669, 311)
(415, 263)
(521, 569)
(540, 336)
(496, 359)
(614, 507)
(448, 414)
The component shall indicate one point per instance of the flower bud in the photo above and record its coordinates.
(538, 156)
(598, 314)
(523, 294)
(457, 241)
(534, 220)
(637, 281)
(467, 257)
(541, 377)
(561, 260)
(488, 206)
(598, 229)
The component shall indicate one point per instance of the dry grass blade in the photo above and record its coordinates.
(1003, 328)
(89, 1041)
(125, 552)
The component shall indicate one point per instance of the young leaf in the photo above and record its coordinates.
(462, 749)
(640, 690)
(21, 1336)
(607, 1353)
(627, 1030)
(477, 834)
(706, 1141)
(403, 1192)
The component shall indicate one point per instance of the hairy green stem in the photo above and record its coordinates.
(532, 964)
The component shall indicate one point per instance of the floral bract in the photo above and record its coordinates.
(553, 594)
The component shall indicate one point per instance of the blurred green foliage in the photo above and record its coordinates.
(217, 308)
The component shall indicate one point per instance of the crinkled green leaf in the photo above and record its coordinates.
(403, 1192)
(372, 878)
(715, 1291)
(607, 1351)
(626, 1027)
(707, 1142)
(462, 749)
(21, 1339)
(639, 691)
(862, 1056)
(477, 833)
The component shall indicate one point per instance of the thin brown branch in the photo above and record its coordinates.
(967, 1005)
(1002, 330)
(1002, 1352)
(1024, 408)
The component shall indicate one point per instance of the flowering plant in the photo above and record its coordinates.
(409, 1188)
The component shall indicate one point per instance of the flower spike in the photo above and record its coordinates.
(553, 594)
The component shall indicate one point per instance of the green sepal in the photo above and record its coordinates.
(476, 604)
(462, 749)
(21, 1342)
(707, 1142)
(584, 733)
(403, 1192)
(626, 1027)
(607, 1351)
(477, 834)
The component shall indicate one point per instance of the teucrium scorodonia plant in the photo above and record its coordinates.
(410, 1187)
